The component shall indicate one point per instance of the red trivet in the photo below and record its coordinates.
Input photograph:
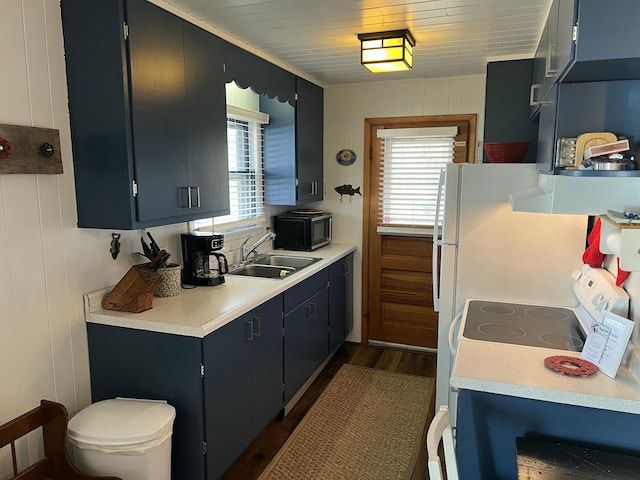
(570, 365)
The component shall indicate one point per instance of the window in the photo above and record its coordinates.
(411, 162)
(246, 178)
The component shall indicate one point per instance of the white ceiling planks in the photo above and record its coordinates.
(318, 38)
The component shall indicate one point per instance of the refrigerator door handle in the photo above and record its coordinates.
(436, 220)
(434, 274)
(437, 242)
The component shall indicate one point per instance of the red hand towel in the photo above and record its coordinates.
(593, 257)
(622, 274)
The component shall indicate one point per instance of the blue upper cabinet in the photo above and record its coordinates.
(554, 52)
(607, 46)
(309, 141)
(590, 40)
(148, 115)
(584, 41)
(293, 146)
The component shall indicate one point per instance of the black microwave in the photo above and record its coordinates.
(301, 230)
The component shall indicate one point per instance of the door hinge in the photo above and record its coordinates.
(295, 97)
(134, 187)
(204, 448)
(370, 152)
(283, 331)
(125, 31)
(575, 33)
(202, 369)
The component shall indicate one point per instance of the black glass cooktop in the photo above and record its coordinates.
(519, 324)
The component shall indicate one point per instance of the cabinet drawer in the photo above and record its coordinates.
(305, 290)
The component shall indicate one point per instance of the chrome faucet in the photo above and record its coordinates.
(246, 251)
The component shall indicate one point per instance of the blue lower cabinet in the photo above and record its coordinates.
(340, 301)
(138, 364)
(225, 387)
(243, 383)
(305, 341)
(488, 424)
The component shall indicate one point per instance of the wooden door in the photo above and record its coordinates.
(397, 298)
(401, 302)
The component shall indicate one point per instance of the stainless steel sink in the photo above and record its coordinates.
(273, 266)
(285, 260)
(264, 271)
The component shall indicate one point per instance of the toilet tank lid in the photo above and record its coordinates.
(122, 421)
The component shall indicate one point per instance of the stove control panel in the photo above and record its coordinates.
(596, 290)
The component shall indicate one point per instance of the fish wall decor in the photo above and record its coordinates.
(347, 190)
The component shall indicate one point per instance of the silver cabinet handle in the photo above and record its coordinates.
(256, 322)
(249, 324)
(190, 196)
(311, 311)
(190, 192)
(532, 93)
(549, 70)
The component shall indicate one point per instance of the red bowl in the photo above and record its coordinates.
(506, 152)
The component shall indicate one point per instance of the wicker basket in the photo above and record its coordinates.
(506, 152)
(171, 281)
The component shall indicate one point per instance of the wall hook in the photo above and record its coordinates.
(5, 148)
(46, 150)
(115, 245)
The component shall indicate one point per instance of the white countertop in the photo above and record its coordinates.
(519, 371)
(199, 311)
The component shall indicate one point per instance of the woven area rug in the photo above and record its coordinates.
(367, 424)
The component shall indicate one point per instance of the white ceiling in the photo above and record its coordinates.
(318, 38)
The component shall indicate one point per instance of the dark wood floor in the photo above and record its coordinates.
(258, 455)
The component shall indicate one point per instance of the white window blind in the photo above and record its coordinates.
(411, 161)
(246, 177)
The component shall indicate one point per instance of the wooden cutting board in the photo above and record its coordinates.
(587, 140)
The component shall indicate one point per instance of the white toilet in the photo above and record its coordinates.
(123, 437)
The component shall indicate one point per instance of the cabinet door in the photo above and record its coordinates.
(537, 85)
(279, 152)
(551, 45)
(158, 366)
(565, 46)
(309, 141)
(547, 132)
(338, 274)
(206, 148)
(305, 341)
(95, 61)
(227, 394)
(156, 63)
(507, 105)
(267, 367)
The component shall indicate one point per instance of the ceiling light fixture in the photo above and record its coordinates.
(387, 51)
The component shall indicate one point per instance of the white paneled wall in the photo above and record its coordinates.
(346, 107)
(46, 262)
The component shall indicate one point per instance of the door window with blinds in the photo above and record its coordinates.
(246, 176)
(411, 160)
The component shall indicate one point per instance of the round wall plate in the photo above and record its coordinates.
(346, 157)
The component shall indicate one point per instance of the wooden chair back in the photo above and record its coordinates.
(55, 465)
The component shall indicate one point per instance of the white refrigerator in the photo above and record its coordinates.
(486, 251)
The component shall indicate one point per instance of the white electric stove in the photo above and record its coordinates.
(546, 326)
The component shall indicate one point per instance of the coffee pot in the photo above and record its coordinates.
(203, 264)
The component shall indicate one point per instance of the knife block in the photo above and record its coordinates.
(134, 292)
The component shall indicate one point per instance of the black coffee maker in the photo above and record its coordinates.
(202, 264)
